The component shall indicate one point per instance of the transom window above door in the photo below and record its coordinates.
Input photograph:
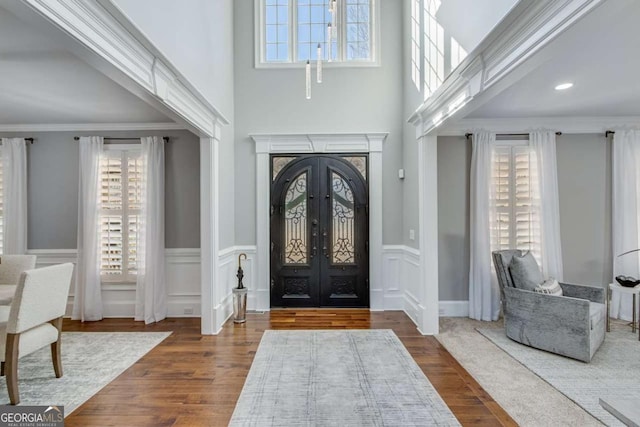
(289, 32)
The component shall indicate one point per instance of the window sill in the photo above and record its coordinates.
(325, 64)
(117, 286)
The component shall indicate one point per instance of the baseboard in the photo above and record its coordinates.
(453, 309)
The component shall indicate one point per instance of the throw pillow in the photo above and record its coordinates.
(525, 272)
(550, 286)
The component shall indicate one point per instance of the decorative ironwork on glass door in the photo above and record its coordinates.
(295, 217)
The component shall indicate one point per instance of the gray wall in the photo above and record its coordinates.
(454, 163)
(584, 185)
(53, 188)
(348, 100)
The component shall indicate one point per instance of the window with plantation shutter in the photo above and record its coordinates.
(120, 198)
(515, 213)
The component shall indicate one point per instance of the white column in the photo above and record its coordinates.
(263, 215)
(211, 320)
(428, 223)
(376, 286)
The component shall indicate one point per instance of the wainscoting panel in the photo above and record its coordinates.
(182, 269)
(400, 281)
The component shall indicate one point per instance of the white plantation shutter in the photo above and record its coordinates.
(500, 198)
(119, 215)
(515, 223)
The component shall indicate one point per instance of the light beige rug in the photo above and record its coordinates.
(527, 398)
(90, 361)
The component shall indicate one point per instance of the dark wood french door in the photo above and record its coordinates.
(319, 231)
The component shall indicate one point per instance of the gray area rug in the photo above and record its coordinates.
(337, 378)
(614, 371)
(90, 361)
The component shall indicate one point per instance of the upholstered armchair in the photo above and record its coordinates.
(571, 325)
(34, 320)
(11, 267)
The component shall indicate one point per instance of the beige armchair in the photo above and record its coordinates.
(34, 320)
(11, 267)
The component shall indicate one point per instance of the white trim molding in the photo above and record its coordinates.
(213, 309)
(267, 144)
(81, 127)
(105, 32)
(566, 125)
(426, 296)
(490, 67)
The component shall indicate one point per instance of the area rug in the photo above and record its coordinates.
(529, 400)
(614, 371)
(337, 378)
(90, 361)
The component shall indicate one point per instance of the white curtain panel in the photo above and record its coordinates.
(484, 294)
(626, 208)
(87, 301)
(543, 144)
(151, 292)
(14, 170)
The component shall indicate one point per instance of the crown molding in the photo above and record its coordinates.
(525, 30)
(566, 125)
(81, 127)
(320, 143)
(105, 31)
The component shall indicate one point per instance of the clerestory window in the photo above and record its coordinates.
(296, 31)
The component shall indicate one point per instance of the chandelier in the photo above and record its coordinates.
(332, 34)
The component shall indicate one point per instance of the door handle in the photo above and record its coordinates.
(324, 243)
(314, 249)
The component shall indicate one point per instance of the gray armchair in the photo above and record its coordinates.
(572, 325)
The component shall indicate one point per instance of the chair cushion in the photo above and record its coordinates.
(550, 287)
(597, 313)
(525, 272)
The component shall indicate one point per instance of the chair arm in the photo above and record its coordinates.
(547, 310)
(558, 324)
(591, 293)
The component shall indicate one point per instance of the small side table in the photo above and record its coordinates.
(635, 293)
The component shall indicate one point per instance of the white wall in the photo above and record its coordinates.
(196, 36)
(360, 100)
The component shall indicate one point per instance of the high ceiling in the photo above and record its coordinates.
(43, 83)
(600, 55)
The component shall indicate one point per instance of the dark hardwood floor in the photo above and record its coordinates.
(195, 380)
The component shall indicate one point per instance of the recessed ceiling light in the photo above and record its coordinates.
(564, 86)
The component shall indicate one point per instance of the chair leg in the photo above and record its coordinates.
(11, 362)
(56, 348)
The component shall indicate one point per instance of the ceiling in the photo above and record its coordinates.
(43, 83)
(600, 54)
(478, 19)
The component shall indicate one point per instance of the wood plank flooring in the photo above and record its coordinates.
(195, 380)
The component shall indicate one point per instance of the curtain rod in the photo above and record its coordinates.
(469, 134)
(77, 138)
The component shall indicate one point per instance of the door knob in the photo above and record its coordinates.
(314, 222)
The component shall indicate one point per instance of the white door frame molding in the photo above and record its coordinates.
(428, 298)
(212, 314)
(268, 144)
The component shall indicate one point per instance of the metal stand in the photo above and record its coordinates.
(239, 305)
